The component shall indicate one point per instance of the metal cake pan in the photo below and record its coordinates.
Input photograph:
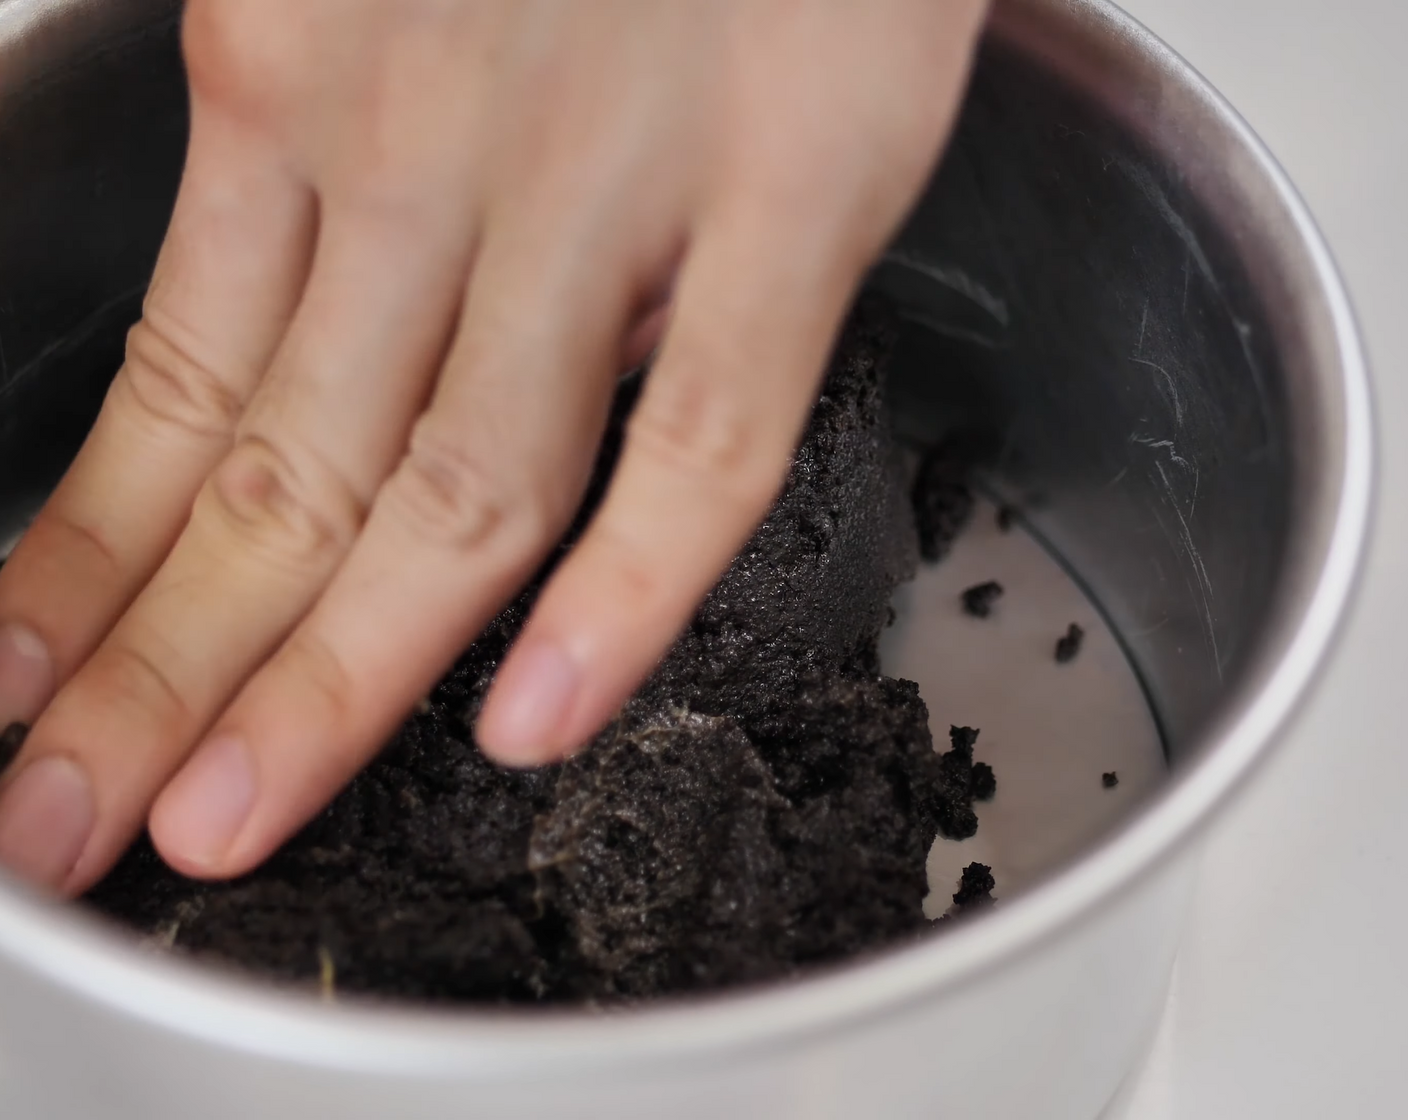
(1112, 275)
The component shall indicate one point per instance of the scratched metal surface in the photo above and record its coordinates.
(1076, 298)
(79, 229)
(1289, 996)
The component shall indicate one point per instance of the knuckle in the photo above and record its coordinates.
(322, 676)
(448, 495)
(172, 388)
(634, 575)
(205, 39)
(714, 444)
(390, 204)
(138, 677)
(230, 55)
(307, 517)
(76, 535)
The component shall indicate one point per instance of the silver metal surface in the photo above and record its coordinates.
(1110, 275)
(1049, 730)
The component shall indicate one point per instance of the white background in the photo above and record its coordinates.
(1291, 997)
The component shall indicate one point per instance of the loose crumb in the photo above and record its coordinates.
(1068, 645)
(978, 600)
(163, 937)
(11, 740)
(1006, 516)
(1109, 779)
(975, 887)
(327, 974)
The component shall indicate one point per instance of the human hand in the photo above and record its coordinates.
(415, 243)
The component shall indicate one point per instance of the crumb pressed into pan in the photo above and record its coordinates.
(1068, 645)
(11, 740)
(979, 599)
(941, 494)
(764, 804)
(1109, 779)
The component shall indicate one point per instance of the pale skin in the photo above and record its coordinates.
(415, 244)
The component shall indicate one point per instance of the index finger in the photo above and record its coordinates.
(706, 452)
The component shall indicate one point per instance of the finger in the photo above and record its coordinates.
(706, 450)
(647, 327)
(226, 282)
(492, 475)
(268, 531)
(644, 336)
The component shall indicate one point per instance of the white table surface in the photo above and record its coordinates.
(1291, 996)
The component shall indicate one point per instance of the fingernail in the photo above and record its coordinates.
(204, 808)
(529, 700)
(26, 674)
(45, 818)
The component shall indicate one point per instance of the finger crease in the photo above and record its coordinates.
(260, 491)
(447, 495)
(87, 535)
(323, 670)
(172, 387)
(156, 678)
(719, 456)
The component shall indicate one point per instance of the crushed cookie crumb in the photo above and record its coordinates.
(975, 887)
(327, 974)
(978, 600)
(1068, 645)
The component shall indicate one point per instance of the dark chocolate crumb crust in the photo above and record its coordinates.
(963, 782)
(941, 496)
(764, 804)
